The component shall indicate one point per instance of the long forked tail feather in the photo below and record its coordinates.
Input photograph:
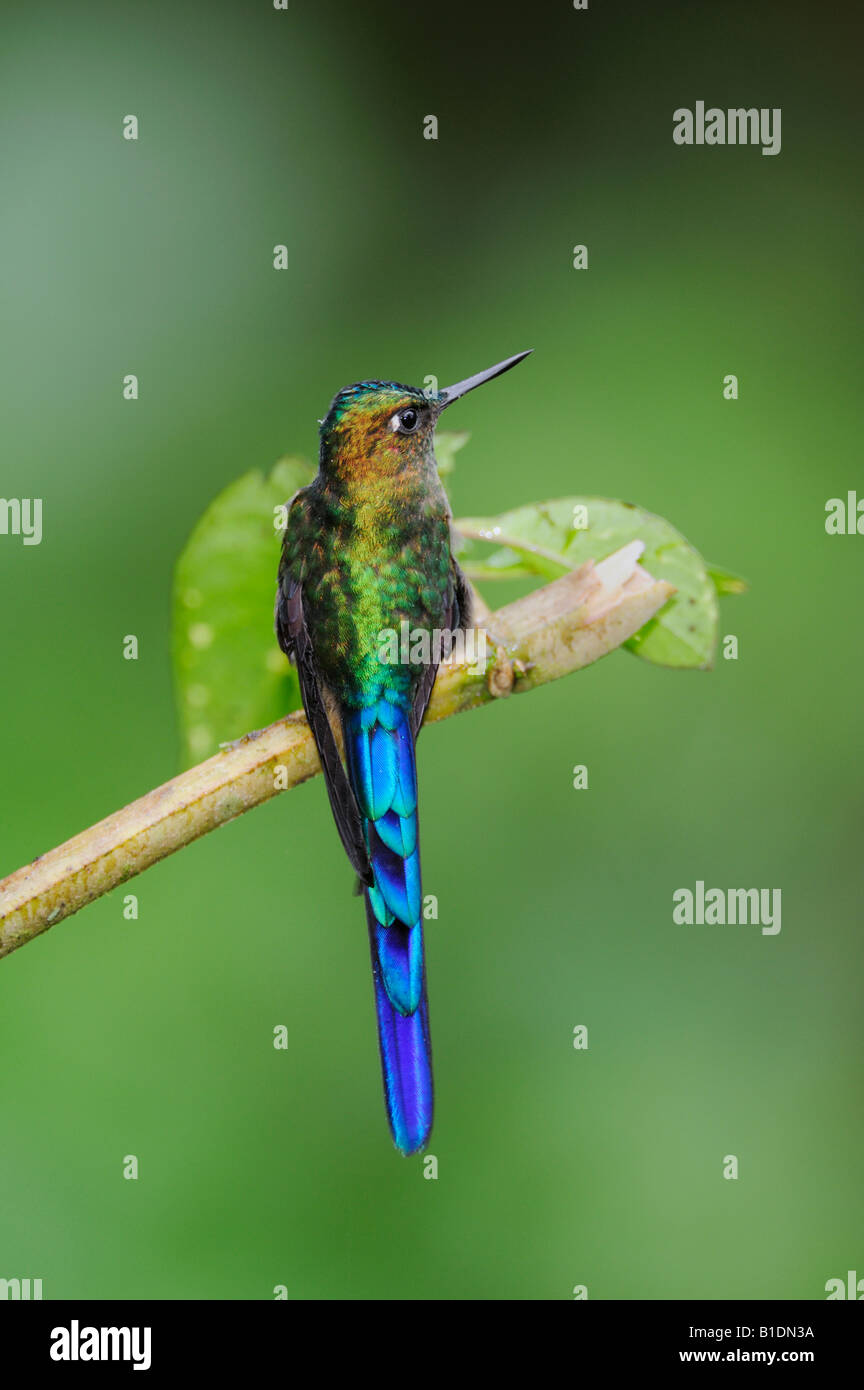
(379, 749)
(406, 1055)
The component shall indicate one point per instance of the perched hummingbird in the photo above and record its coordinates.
(367, 547)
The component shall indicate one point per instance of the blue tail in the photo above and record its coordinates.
(379, 747)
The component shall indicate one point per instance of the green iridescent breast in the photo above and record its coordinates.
(366, 571)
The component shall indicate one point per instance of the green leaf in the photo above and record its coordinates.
(447, 444)
(547, 539)
(230, 675)
(725, 582)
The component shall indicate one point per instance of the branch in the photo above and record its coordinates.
(555, 630)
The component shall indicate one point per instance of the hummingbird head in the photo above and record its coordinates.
(386, 429)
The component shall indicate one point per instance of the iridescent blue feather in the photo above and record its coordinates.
(379, 747)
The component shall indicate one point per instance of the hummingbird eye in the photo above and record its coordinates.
(405, 421)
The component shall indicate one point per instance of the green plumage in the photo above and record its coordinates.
(372, 545)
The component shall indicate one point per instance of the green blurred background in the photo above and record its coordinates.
(407, 256)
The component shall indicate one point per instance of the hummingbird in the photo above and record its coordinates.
(366, 548)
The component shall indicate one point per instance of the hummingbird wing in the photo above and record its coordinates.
(458, 616)
(294, 639)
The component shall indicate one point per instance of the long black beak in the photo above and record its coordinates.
(452, 393)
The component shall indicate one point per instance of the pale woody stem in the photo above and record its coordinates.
(558, 629)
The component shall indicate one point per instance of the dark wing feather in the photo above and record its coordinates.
(458, 616)
(294, 639)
